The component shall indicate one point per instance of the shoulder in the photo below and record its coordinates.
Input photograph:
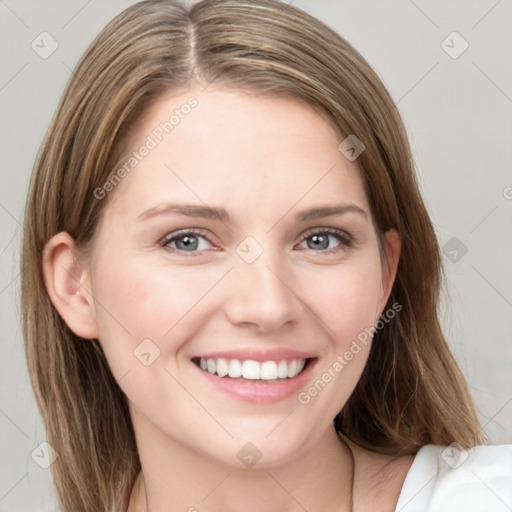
(451, 479)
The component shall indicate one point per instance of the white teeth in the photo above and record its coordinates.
(235, 368)
(268, 370)
(253, 370)
(282, 369)
(211, 365)
(222, 367)
(292, 368)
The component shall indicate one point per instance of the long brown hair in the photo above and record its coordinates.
(411, 392)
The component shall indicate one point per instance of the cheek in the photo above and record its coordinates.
(346, 297)
(347, 301)
(136, 302)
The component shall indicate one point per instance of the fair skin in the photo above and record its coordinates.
(291, 291)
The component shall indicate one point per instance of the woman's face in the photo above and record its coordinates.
(239, 242)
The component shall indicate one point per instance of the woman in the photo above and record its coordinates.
(230, 280)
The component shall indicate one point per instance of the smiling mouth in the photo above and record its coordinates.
(253, 371)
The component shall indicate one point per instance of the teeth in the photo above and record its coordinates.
(235, 368)
(222, 367)
(253, 370)
(268, 370)
(282, 369)
(292, 368)
(211, 365)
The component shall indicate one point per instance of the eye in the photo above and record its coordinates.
(327, 240)
(186, 241)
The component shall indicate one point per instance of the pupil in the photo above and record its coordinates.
(187, 242)
(319, 241)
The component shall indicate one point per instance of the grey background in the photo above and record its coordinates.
(458, 114)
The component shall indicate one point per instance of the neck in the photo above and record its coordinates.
(318, 480)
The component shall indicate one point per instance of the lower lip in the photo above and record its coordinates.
(259, 391)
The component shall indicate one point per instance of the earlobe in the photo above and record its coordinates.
(392, 247)
(68, 286)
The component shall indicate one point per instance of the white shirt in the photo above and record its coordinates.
(450, 479)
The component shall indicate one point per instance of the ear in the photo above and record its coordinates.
(68, 285)
(392, 247)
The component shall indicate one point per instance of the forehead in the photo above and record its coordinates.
(240, 151)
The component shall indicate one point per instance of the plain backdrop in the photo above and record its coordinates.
(446, 64)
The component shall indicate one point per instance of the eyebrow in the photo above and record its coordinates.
(220, 214)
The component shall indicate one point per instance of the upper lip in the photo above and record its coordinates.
(258, 354)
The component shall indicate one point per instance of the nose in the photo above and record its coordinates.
(263, 295)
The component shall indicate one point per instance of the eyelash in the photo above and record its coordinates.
(345, 239)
